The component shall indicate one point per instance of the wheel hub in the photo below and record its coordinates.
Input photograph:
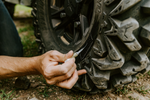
(72, 7)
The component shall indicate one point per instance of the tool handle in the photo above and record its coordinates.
(74, 56)
(67, 60)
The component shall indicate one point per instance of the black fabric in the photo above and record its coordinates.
(10, 43)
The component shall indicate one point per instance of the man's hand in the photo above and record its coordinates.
(63, 75)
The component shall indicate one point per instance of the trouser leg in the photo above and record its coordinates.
(10, 43)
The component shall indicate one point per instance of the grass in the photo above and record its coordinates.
(142, 90)
(20, 9)
(45, 92)
(7, 96)
(130, 98)
(124, 90)
(148, 73)
(30, 46)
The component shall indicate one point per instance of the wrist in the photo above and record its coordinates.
(37, 64)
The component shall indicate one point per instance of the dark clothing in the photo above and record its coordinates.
(10, 43)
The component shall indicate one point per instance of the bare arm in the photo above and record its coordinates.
(17, 66)
(64, 75)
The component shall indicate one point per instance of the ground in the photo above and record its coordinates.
(39, 90)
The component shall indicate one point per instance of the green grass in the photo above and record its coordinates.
(142, 90)
(25, 9)
(7, 96)
(124, 90)
(45, 93)
(26, 29)
(30, 46)
(26, 32)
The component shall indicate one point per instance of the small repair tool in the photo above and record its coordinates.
(75, 54)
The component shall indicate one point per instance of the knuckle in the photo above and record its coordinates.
(51, 82)
(72, 63)
(54, 52)
(46, 74)
(64, 71)
(69, 87)
(67, 75)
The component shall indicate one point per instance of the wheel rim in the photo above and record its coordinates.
(70, 29)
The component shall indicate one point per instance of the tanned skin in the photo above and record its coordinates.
(63, 75)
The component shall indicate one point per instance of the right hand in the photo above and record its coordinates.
(63, 75)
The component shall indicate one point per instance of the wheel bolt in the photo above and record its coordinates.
(62, 15)
(76, 24)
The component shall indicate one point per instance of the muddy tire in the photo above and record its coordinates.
(115, 35)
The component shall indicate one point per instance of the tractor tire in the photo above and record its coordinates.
(114, 35)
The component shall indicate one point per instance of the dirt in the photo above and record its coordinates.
(39, 90)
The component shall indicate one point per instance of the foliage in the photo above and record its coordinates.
(7, 96)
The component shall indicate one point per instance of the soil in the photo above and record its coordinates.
(39, 90)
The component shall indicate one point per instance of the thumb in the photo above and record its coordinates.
(68, 55)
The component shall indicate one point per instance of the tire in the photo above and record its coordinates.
(115, 35)
(11, 8)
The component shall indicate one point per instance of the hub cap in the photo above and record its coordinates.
(71, 20)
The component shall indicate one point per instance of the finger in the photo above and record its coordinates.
(81, 72)
(68, 84)
(46, 62)
(52, 64)
(59, 57)
(47, 71)
(63, 69)
(64, 57)
(58, 79)
(67, 66)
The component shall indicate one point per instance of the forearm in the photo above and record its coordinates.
(17, 66)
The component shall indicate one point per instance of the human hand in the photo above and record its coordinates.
(63, 75)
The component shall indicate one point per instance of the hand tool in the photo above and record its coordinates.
(75, 54)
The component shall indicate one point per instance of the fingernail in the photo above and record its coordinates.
(73, 59)
(70, 51)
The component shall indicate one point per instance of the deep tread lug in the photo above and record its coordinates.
(38, 40)
(99, 79)
(99, 49)
(102, 75)
(108, 2)
(113, 61)
(128, 68)
(142, 58)
(114, 53)
(123, 6)
(146, 7)
(33, 13)
(134, 78)
(102, 85)
(86, 83)
(147, 69)
(124, 31)
(84, 88)
(119, 80)
(145, 34)
(132, 67)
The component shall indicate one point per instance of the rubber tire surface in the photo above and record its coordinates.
(120, 49)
